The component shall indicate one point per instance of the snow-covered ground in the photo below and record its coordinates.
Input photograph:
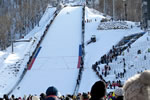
(12, 65)
(57, 61)
(105, 39)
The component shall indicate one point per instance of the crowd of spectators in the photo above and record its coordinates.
(135, 88)
(105, 61)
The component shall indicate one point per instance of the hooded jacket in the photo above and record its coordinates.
(98, 90)
(51, 93)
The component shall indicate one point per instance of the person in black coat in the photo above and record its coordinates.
(42, 96)
(51, 93)
(98, 90)
(119, 98)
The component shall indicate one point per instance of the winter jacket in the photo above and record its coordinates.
(51, 97)
(119, 98)
(51, 93)
(96, 99)
(111, 98)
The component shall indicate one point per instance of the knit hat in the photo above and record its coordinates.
(119, 92)
(137, 87)
(52, 91)
(85, 96)
(98, 90)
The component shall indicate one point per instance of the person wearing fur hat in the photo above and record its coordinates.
(51, 93)
(119, 94)
(98, 91)
(138, 87)
(35, 98)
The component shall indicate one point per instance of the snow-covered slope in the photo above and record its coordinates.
(57, 61)
(12, 65)
(105, 39)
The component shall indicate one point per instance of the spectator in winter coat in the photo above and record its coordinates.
(119, 94)
(111, 97)
(98, 90)
(144, 57)
(19, 98)
(12, 97)
(79, 97)
(5, 97)
(24, 97)
(138, 87)
(35, 98)
(85, 96)
(89, 95)
(29, 97)
(42, 96)
(51, 93)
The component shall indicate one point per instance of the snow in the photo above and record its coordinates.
(58, 57)
(105, 40)
(22, 50)
(1, 53)
(11, 58)
(89, 14)
(56, 63)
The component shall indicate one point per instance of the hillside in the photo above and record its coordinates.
(57, 59)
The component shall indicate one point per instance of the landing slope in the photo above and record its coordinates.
(57, 61)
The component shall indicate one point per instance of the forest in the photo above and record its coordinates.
(133, 8)
(19, 17)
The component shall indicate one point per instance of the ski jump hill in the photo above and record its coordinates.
(56, 62)
(57, 56)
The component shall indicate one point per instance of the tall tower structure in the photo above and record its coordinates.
(146, 14)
